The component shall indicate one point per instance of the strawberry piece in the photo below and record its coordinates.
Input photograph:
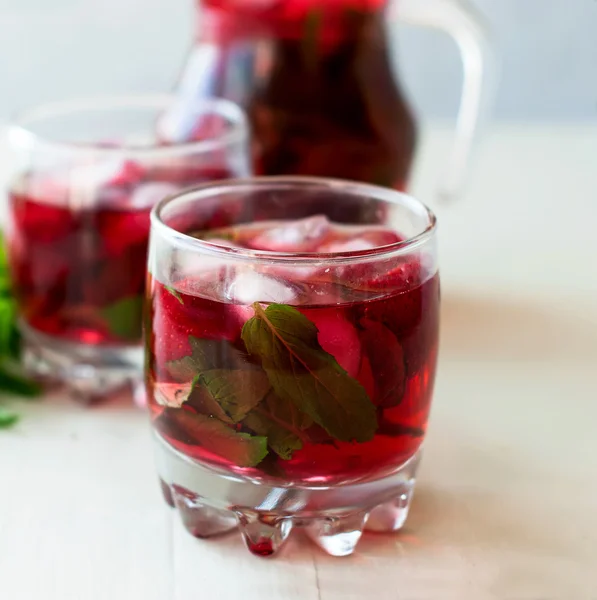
(386, 359)
(338, 337)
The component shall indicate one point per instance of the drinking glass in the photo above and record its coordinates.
(84, 176)
(291, 354)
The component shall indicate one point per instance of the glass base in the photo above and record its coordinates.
(213, 503)
(90, 373)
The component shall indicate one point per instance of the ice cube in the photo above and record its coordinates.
(248, 287)
(87, 181)
(51, 188)
(303, 235)
(357, 245)
(380, 236)
(200, 268)
(149, 194)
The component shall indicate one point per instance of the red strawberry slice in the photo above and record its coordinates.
(42, 223)
(338, 337)
(413, 317)
(123, 229)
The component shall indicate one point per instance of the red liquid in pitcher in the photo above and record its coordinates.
(329, 382)
(316, 80)
(78, 247)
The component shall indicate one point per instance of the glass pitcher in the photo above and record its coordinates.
(316, 79)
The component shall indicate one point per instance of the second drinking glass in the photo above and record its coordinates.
(84, 177)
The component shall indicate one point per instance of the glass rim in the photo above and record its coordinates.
(212, 189)
(21, 125)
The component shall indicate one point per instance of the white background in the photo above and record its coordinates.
(52, 49)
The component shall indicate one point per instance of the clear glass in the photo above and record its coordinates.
(84, 177)
(291, 356)
(318, 82)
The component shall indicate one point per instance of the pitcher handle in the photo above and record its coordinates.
(479, 69)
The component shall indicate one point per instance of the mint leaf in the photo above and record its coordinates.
(237, 392)
(242, 449)
(7, 418)
(281, 440)
(203, 402)
(184, 369)
(12, 381)
(174, 395)
(302, 372)
(124, 318)
(7, 322)
(206, 356)
(281, 423)
(222, 377)
(387, 362)
(174, 293)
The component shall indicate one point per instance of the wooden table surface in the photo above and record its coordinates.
(506, 503)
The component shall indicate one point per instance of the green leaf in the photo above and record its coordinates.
(7, 321)
(7, 418)
(174, 395)
(124, 318)
(302, 372)
(282, 441)
(184, 369)
(281, 423)
(206, 355)
(175, 293)
(237, 392)
(224, 373)
(242, 449)
(12, 379)
(14, 382)
(203, 402)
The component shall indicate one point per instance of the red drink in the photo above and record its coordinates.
(78, 249)
(84, 178)
(317, 81)
(328, 383)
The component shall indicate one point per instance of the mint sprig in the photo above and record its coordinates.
(124, 319)
(12, 379)
(206, 355)
(237, 392)
(276, 389)
(7, 418)
(301, 371)
(225, 384)
(283, 425)
(242, 449)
